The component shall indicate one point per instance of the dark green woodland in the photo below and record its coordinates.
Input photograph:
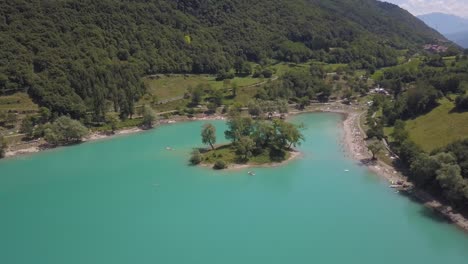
(76, 57)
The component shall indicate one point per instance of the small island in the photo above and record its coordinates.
(253, 142)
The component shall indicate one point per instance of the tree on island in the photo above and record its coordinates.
(266, 140)
(220, 165)
(208, 135)
(245, 147)
(288, 135)
(196, 157)
(277, 135)
(238, 127)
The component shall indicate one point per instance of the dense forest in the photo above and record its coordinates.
(77, 57)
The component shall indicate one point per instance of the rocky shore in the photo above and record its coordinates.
(355, 144)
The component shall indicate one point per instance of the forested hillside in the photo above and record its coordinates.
(427, 114)
(84, 56)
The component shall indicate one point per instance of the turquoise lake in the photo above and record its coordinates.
(129, 200)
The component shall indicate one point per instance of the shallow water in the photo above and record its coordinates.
(128, 200)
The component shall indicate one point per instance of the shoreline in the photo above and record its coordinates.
(294, 154)
(353, 140)
(39, 145)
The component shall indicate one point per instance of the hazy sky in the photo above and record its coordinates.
(420, 7)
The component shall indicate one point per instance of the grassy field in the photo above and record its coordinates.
(449, 60)
(172, 86)
(17, 102)
(171, 105)
(283, 67)
(438, 128)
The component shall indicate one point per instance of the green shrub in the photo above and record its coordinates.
(196, 157)
(220, 165)
(3, 147)
(64, 130)
(462, 102)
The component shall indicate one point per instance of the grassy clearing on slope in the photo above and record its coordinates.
(284, 67)
(171, 86)
(17, 102)
(439, 127)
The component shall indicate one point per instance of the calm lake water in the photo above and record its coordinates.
(128, 200)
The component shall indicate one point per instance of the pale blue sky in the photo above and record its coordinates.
(420, 7)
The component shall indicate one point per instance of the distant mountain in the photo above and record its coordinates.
(453, 27)
(445, 23)
(461, 38)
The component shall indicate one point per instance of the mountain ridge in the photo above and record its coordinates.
(453, 27)
(445, 23)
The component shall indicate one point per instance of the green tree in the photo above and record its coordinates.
(287, 134)
(254, 108)
(44, 115)
(218, 97)
(65, 130)
(451, 181)
(27, 127)
(399, 133)
(112, 119)
(197, 95)
(263, 134)
(234, 88)
(149, 116)
(238, 127)
(3, 147)
(375, 147)
(375, 130)
(208, 135)
(423, 169)
(303, 102)
(245, 147)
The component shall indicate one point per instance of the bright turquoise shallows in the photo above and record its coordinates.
(129, 200)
